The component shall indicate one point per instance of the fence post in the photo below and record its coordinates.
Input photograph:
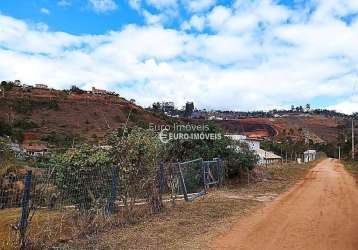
(25, 209)
(161, 178)
(204, 167)
(182, 182)
(220, 170)
(113, 195)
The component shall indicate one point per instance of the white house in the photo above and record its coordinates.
(34, 149)
(265, 157)
(41, 86)
(252, 143)
(309, 155)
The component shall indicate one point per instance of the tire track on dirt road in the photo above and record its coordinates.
(319, 213)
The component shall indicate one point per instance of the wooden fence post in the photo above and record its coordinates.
(25, 209)
(182, 182)
(113, 195)
(161, 178)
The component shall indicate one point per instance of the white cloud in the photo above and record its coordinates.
(102, 6)
(257, 55)
(218, 16)
(163, 4)
(196, 22)
(152, 19)
(135, 4)
(348, 106)
(199, 5)
(63, 3)
(45, 11)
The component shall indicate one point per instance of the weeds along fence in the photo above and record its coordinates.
(41, 208)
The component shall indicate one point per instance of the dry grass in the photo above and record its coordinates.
(193, 225)
(184, 226)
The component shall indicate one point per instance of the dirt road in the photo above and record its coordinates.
(319, 213)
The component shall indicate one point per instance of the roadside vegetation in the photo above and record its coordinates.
(351, 166)
(193, 225)
(79, 181)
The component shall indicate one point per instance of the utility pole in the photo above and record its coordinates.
(352, 138)
(339, 152)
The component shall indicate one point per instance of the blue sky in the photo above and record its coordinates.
(237, 54)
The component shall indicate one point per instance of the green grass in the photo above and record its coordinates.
(351, 166)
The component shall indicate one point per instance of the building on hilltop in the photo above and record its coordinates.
(41, 86)
(98, 91)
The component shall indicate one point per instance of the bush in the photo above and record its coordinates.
(25, 124)
(53, 104)
(23, 106)
(7, 86)
(26, 106)
(240, 160)
(138, 154)
(61, 139)
(222, 147)
(83, 176)
(5, 129)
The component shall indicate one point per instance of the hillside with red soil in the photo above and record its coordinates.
(319, 128)
(87, 115)
(93, 116)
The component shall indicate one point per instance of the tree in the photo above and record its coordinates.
(222, 146)
(76, 89)
(156, 107)
(7, 86)
(308, 107)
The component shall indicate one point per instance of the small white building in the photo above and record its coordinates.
(41, 86)
(34, 149)
(309, 155)
(265, 157)
(99, 91)
(252, 143)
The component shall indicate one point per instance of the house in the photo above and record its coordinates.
(99, 91)
(309, 155)
(41, 86)
(265, 157)
(25, 86)
(252, 143)
(34, 149)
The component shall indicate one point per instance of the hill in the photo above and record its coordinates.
(319, 128)
(40, 112)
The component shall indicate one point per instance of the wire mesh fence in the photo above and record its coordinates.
(43, 207)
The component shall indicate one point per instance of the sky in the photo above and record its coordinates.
(220, 54)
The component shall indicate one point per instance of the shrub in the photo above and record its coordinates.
(5, 129)
(83, 176)
(53, 104)
(7, 86)
(61, 139)
(138, 154)
(25, 124)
